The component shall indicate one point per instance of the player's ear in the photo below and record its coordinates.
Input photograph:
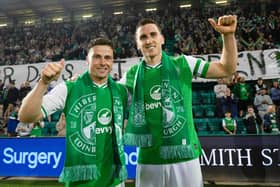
(162, 39)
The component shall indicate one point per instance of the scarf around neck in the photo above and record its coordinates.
(76, 169)
(173, 114)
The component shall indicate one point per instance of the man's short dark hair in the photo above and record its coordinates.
(146, 21)
(101, 41)
(250, 106)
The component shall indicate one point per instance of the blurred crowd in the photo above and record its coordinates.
(255, 105)
(186, 31)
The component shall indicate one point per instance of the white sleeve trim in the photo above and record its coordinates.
(201, 67)
(224, 123)
(192, 61)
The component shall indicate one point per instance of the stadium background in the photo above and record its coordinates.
(73, 23)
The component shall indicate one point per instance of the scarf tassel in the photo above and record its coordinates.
(123, 173)
(79, 173)
(140, 140)
(176, 151)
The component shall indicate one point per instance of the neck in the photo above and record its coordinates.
(99, 81)
(152, 60)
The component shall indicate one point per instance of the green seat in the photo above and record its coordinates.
(49, 128)
(215, 124)
(55, 116)
(198, 111)
(241, 128)
(209, 110)
(218, 132)
(208, 97)
(53, 130)
(201, 124)
(196, 98)
(203, 133)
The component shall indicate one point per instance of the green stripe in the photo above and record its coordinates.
(205, 69)
(45, 114)
(198, 62)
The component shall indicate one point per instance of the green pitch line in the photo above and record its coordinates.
(54, 183)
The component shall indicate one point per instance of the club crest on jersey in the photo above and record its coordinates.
(104, 116)
(88, 116)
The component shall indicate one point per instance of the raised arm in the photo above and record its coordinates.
(30, 110)
(227, 65)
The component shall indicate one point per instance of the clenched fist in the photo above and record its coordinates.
(226, 24)
(52, 71)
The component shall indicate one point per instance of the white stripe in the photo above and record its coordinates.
(201, 67)
(44, 113)
(191, 62)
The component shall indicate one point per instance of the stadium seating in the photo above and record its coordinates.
(50, 126)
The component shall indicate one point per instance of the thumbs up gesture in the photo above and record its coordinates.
(226, 24)
(52, 71)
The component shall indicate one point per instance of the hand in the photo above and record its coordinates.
(226, 24)
(51, 72)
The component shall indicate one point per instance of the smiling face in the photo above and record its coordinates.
(149, 40)
(100, 60)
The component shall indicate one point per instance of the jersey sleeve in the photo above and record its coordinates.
(197, 66)
(123, 79)
(54, 100)
(223, 123)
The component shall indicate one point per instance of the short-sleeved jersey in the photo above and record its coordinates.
(187, 68)
(96, 132)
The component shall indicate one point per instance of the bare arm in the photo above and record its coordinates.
(227, 65)
(30, 110)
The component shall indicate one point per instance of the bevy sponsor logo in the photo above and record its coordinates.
(151, 106)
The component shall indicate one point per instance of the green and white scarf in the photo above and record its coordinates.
(138, 132)
(78, 166)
